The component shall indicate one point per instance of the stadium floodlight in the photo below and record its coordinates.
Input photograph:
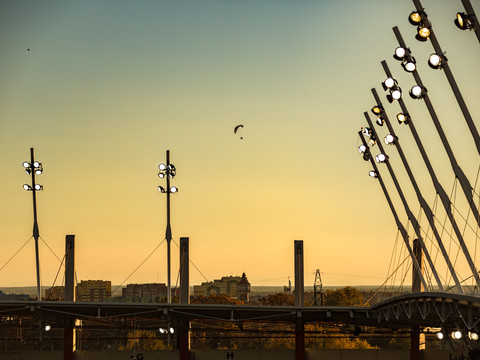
(457, 335)
(418, 92)
(409, 65)
(400, 53)
(377, 110)
(389, 83)
(473, 336)
(373, 174)
(416, 17)
(403, 118)
(423, 33)
(372, 141)
(464, 21)
(436, 61)
(367, 131)
(381, 158)
(390, 139)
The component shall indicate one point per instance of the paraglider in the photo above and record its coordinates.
(236, 129)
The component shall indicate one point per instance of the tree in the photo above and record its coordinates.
(280, 299)
(347, 296)
(214, 299)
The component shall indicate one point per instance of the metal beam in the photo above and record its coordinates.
(411, 217)
(400, 226)
(460, 175)
(424, 205)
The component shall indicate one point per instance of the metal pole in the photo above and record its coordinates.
(69, 329)
(411, 217)
(36, 233)
(400, 226)
(168, 233)
(184, 329)
(460, 175)
(424, 205)
(452, 82)
(299, 274)
(469, 9)
(299, 300)
(462, 178)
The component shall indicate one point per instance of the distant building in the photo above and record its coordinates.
(94, 290)
(55, 293)
(4, 296)
(243, 289)
(152, 292)
(234, 286)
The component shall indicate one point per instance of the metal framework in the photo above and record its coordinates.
(424, 205)
(460, 175)
(400, 226)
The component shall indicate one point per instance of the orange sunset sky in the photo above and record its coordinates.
(101, 89)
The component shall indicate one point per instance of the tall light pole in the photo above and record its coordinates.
(34, 168)
(382, 157)
(367, 156)
(442, 62)
(168, 171)
(392, 139)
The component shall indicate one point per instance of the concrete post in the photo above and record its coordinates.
(69, 329)
(417, 340)
(184, 271)
(299, 300)
(299, 274)
(184, 331)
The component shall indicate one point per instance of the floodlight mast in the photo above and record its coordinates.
(460, 175)
(453, 83)
(400, 226)
(424, 205)
(168, 171)
(36, 232)
(445, 200)
(410, 215)
(168, 233)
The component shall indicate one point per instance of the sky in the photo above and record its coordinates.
(102, 89)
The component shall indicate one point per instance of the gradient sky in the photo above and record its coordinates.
(108, 86)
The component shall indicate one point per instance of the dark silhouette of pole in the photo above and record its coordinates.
(444, 198)
(471, 14)
(411, 217)
(168, 235)
(36, 232)
(169, 172)
(400, 226)
(460, 175)
(451, 79)
(424, 205)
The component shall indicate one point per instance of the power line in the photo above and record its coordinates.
(16, 253)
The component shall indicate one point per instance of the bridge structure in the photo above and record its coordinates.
(430, 305)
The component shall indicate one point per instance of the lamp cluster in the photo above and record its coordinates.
(170, 171)
(34, 168)
(391, 85)
(166, 331)
(457, 335)
(404, 55)
(424, 29)
(378, 111)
